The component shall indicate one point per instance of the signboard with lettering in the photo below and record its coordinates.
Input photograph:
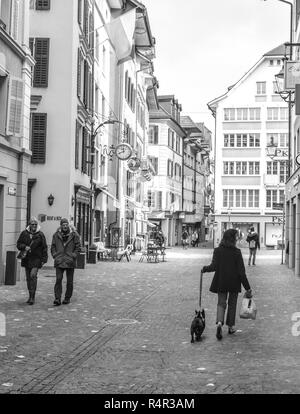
(291, 74)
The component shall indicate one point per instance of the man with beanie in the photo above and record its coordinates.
(33, 252)
(64, 249)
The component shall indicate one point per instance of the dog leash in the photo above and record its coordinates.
(200, 295)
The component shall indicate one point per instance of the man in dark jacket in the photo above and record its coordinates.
(33, 252)
(254, 244)
(64, 249)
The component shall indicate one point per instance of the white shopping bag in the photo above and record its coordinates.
(248, 309)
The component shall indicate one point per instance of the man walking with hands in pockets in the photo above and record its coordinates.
(64, 249)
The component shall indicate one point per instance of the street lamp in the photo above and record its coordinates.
(92, 163)
(273, 151)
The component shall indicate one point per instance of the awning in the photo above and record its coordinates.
(117, 203)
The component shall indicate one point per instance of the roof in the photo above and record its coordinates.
(278, 51)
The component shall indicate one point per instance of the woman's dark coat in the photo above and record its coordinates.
(229, 268)
(65, 254)
(38, 254)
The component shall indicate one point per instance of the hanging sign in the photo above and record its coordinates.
(291, 74)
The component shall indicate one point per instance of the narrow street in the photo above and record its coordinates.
(127, 330)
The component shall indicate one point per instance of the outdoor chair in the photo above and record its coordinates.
(125, 253)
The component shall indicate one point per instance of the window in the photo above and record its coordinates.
(283, 140)
(226, 170)
(225, 198)
(77, 139)
(231, 140)
(275, 114)
(231, 198)
(251, 168)
(244, 198)
(153, 135)
(38, 137)
(256, 198)
(261, 88)
(238, 198)
(154, 162)
(171, 139)
(170, 168)
(226, 140)
(229, 114)
(251, 198)
(254, 114)
(238, 167)
(231, 168)
(242, 114)
(257, 168)
(151, 199)
(41, 55)
(283, 171)
(244, 167)
(42, 4)
(239, 140)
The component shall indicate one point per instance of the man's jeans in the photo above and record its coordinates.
(221, 308)
(31, 278)
(58, 284)
(252, 253)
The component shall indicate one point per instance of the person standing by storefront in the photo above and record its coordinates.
(253, 240)
(33, 252)
(64, 249)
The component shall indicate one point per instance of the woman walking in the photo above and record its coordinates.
(229, 268)
(33, 247)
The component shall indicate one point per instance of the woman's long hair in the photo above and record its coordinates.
(229, 238)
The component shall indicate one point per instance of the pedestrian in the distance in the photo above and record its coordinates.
(184, 238)
(194, 238)
(64, 249)
(253, 240)
(228, 265)
(34, 253)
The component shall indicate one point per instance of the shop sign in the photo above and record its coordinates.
(83, 196)
(182, 216)
(292, 74)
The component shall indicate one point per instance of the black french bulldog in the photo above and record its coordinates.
(198, 325)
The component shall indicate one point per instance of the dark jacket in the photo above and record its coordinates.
(65, 253)
(229, 268)
(38, 254)
(253, 236)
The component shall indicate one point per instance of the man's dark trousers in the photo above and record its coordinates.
(58, 284)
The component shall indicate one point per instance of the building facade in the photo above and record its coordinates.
(251, 121)
(15, 82)
(197, 147)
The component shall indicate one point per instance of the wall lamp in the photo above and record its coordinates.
(50, 200)
(273, 151)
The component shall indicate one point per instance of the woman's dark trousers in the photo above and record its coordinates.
(58, 284)
(231, 311)
(31, 279)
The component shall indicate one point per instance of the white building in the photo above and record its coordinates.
(250, 116)
(15, 82)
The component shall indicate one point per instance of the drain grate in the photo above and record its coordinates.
(122, 321)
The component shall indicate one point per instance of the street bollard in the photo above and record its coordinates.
(11, 269)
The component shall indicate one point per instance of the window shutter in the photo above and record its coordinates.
(79, 74)
(42, 5)
(38, 138)
(156, 134)
(86, 19)
(15, 107)
(77, 145)
(42, 62)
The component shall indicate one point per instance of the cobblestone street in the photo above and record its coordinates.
(127, 330)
